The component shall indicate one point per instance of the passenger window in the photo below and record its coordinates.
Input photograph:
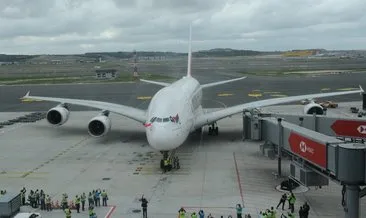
(166, 120)
(159, 120)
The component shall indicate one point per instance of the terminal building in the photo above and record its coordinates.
(106, 74)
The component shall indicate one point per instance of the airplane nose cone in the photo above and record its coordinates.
(162, 138)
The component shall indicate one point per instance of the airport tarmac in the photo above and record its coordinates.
(139, 94)
(217, 172)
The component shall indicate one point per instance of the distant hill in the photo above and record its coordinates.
(216, 52)
(15, 58)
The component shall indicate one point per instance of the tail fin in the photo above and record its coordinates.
(189, 52)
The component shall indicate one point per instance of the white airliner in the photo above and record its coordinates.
(174, 112)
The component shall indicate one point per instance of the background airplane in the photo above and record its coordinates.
(174, 112)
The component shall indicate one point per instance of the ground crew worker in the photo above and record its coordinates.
(239, 211)
(144, 206)
(83, 199)
(91, 212)
(22, 197)
(182, 213)
(64, 202)
(282, 201)
(306, 209)
(166, 163)
(291, 201)
(43, 202)
(37, 197)
(97, 195)
(104, 197)
(194, 215)
(90, 199)
(201, 214)
(273, 213)
(77, 203)
(67, 212)
(48, 203)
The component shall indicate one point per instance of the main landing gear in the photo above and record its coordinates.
(213, 129)
(169, 162)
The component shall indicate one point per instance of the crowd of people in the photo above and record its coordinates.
(39, 199)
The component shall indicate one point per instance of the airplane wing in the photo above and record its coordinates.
(210, 117)
(155, 82)
(221, 82)
(127, 111)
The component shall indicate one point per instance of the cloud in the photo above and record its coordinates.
(78, 26)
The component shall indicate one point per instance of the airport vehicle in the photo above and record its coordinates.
(174, 112)
(329, 104)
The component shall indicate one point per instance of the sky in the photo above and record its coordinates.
(80, 26)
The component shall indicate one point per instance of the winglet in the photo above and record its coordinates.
(189, 52)
(361, 89)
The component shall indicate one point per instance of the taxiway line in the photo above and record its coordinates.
(238, 177)
(111, 210)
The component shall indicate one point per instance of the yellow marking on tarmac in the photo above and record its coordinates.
(256, 90)
(278, 95)
(347, 89)
(144, 97)
(325, 89)
(29, 100)
(224, 94)
(255, 95)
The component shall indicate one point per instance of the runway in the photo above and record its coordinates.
(138, 94)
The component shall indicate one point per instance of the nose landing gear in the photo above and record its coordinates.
(213, 129)
(169, 162)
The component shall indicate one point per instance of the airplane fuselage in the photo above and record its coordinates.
(172, 113)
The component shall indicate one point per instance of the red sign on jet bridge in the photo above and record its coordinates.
(351, 128)
(308, 149)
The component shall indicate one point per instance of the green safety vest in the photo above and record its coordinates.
(292, 199)
(194, 215)
(104, 194)
(182, 214)
(77, 201)
(166, 162)
(91, 212)
(68, 212)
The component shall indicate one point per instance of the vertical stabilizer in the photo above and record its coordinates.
(189, 52)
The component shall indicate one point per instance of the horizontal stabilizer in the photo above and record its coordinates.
(221, 82)
(155, 82)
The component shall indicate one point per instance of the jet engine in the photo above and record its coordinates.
(312, 108)
(99, 125)
(58, 115)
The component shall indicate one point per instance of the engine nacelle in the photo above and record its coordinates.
(312, 108)
(58, 115)
(99, 126)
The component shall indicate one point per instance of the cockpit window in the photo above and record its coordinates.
(166, 120)
(152, 119)
(159, 120)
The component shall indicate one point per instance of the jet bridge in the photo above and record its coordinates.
(318, 149)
